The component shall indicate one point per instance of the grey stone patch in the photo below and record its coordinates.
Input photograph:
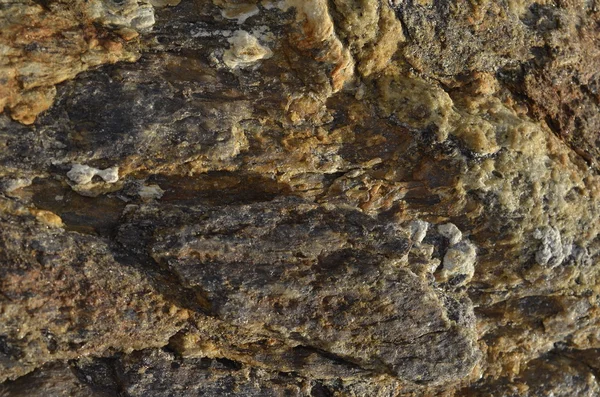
(460, 261)
(418, 230)
(9, 185)
(83, 174)
(313, 275)
(552, 251)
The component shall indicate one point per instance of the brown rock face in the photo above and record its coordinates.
(47, 42)
(300, 198)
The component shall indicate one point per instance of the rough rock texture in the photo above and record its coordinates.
(299, 198)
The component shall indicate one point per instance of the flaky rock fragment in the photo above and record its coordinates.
(418, 230)
(245, 50)
(459, 261)
(552, 251)
(83, 174)
(451, 232)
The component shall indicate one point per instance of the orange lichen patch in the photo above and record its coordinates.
(127, 34)
(41, 48)
(378, 56)
(32, 103)
(372, 32)
(47, 218)
(318, 34)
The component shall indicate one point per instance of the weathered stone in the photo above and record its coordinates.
(312, 198)
(65, 295)
(330, 279)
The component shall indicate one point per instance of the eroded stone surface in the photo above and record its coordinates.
(306, 197)
(47, 42)
(65, 295)
(330, 279)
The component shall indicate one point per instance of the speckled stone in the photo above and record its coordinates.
(305, 198)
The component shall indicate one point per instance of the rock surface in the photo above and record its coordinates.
(304, 198)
